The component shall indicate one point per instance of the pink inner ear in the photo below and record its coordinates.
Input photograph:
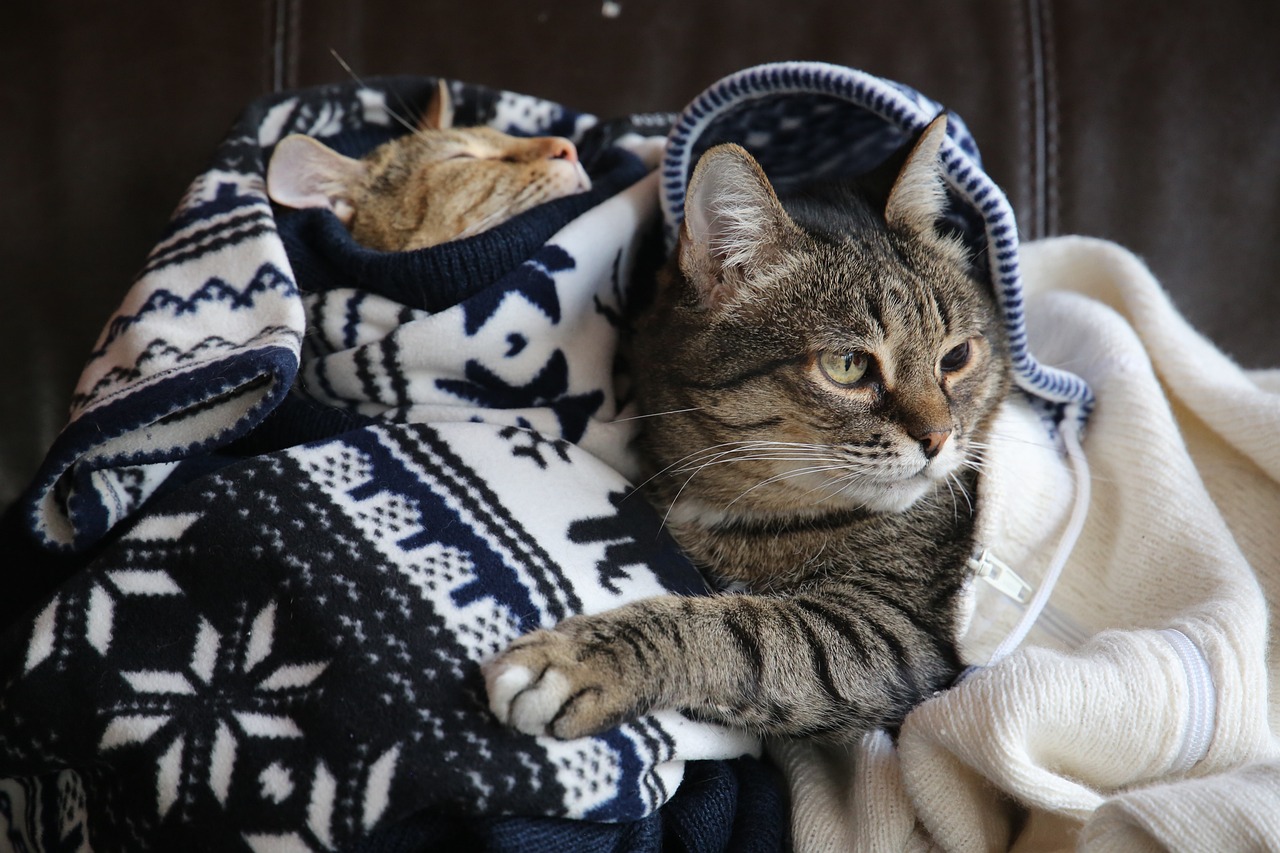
(304, 172)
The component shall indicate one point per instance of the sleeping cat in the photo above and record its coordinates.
(819, 373)
(436, 184)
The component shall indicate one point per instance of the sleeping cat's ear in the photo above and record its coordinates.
(439, 114)
(733, 224)
(305, 172)
(918, 197)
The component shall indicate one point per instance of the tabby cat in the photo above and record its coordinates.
(819, 373)
(436, 184)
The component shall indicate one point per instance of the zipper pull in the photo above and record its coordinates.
(1000, 576)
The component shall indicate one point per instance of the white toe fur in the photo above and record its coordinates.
(503, 683)
(533, 709)
(516, 700)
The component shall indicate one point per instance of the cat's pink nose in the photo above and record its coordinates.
(931, 442)
(559, 148)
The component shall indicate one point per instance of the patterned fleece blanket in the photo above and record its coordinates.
(306, 487)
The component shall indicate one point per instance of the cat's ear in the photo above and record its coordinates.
(305, 172)
(733, 223)
(439, 114)
(918, 197)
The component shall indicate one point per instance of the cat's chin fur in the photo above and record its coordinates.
(891, 497)
(874, 497)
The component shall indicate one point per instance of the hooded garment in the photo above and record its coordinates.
(1117, 696)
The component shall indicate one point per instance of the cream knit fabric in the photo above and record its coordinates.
(1137, 715)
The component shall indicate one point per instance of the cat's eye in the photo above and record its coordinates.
(955, 358)
(844, 368)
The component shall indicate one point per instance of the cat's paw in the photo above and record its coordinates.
(545, 684)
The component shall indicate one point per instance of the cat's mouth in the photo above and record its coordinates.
(584, 180)
(894, 491)
(896, 496)
(570, 178)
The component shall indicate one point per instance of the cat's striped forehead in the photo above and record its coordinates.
(877, 295)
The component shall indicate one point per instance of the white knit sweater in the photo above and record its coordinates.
(1137, 715)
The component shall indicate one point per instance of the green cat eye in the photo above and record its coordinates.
(844, 368)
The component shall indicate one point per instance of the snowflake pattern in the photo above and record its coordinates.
(230, 685)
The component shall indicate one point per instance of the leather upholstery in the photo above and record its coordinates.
(1152, 126)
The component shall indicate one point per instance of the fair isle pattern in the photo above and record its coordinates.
(278, 648)
(810, 120)
(207, 340)
(293, 635)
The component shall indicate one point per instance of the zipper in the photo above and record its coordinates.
(1202, 700)
(1000, 575)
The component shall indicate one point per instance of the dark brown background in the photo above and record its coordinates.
(1156, 125)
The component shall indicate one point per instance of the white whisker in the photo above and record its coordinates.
(685, 458)
(779, 457)
(657, 414)
(844, 471)
(839, 485)
(953, 476)
(786, 475)
(1047, 444)
(714, 451)
(955, 506)
(400, 119)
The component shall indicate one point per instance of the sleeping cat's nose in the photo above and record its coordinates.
(931, 442)
(559, 148)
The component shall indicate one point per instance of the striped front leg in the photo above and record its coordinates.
(809, 665)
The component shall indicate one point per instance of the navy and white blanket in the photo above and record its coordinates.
(306, 488)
